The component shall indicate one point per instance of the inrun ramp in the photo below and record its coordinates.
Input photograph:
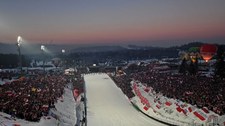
(108, 106)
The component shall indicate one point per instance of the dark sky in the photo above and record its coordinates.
(144, 22)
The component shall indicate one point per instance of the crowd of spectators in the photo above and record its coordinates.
(8, 75)
(193, 89)
(123, 82)
(78, 82)
(32, 97)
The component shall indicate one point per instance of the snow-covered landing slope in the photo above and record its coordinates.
(108, 106)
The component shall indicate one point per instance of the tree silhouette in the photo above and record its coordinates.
(183, 66)
(192, 69)
(220, 64)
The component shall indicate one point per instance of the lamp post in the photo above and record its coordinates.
(19, 41)
(42, 50)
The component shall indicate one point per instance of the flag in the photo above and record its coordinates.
(145, 108)
(191, 108)
(146, 89)
(168, 103)
(200, 115)
(76, 93)
(158, 106)
(205, 110)
(179, 109)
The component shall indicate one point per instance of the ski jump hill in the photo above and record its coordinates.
(108, 106)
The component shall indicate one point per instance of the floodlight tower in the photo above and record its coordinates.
(43, 50)
(19, 41)
(63, 57)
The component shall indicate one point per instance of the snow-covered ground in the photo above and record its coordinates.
(65, 113)
(108, 106)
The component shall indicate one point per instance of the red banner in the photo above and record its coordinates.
(144, 100)
(199, 116)
(168, 103)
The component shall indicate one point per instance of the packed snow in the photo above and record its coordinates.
(108, 106)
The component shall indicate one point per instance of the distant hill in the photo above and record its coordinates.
(99, 49)
(56, 49)
(8, 48)
(192, 44)
(187, 46)
(136, 47)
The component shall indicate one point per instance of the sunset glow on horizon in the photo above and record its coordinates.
(102, 21)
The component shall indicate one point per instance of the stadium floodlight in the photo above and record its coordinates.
(63, 50)
(43, 49)
(63, 57)
(19, 41)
